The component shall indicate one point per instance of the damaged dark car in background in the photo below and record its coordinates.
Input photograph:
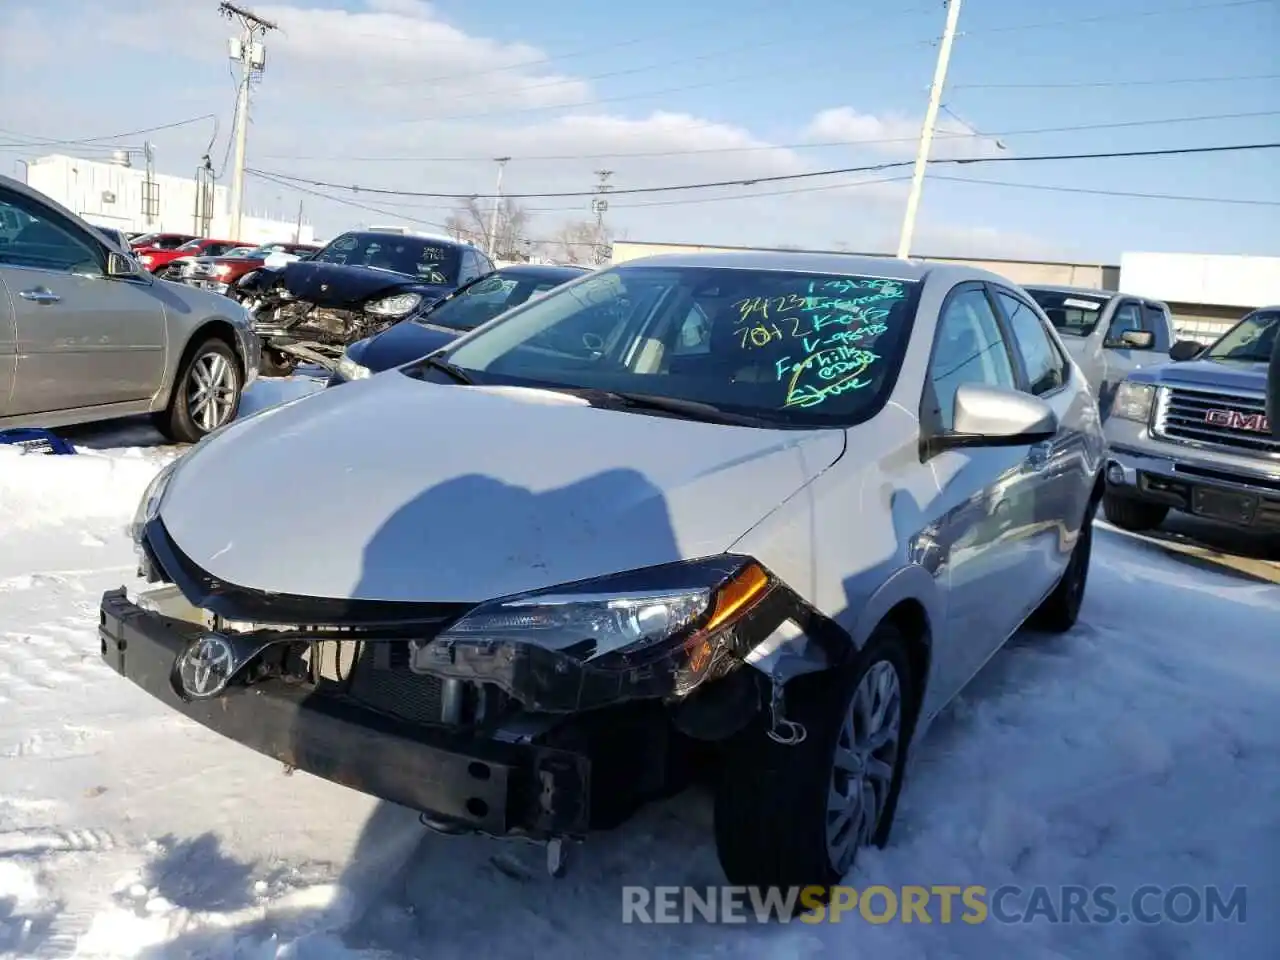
(358, 285)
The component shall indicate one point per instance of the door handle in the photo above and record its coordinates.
(40, 295)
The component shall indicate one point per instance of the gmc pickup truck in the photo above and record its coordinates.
(1193, 434)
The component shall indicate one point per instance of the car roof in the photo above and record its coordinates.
(838, 264)
(1096, 292)
(542, 270)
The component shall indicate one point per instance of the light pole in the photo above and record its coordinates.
(497, 204)
(926, 132)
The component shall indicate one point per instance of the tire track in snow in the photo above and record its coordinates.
(37, 842)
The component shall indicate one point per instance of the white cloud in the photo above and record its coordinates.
(899, 136)
(342, 87)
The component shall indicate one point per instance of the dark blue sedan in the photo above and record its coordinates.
(465, 309)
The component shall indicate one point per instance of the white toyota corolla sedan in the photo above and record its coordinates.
(755, 517)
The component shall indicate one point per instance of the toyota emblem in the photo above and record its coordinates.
(205, 668)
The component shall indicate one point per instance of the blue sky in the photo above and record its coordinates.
(745, 73)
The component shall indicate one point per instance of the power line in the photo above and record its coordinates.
(1110, 193)
(1109, 17)
(44, 142)
(623, 98)
(1112, 83)
(631, 71)
(1075, 128)
(778, 178)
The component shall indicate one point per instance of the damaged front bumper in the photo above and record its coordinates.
(311, 333)
(487, 785)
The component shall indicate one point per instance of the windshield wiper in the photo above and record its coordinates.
(689, 409)
(444, 366)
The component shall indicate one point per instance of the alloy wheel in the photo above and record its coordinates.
(211, 391)
(866, 755)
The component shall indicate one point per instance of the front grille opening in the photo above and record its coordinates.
(375, 674)
(1228, 420)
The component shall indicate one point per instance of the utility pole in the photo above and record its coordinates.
(251, 54)
(926, 133)
(297, 233)
(497, 205)
(599, 205)
(150, 200)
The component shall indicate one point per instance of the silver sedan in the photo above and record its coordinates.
(86, 334)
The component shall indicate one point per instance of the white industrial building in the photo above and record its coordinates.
(119, 194)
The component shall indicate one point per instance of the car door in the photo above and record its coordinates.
(82, 339)
(8, 346)
(1057, 468)
(1119, 360)
(986, 498)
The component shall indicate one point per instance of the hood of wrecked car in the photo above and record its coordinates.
(340, 285)
(397, 489)
(407, 340)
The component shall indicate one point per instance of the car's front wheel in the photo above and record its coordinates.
(796, 816)
(1133, 515)
(206, 394)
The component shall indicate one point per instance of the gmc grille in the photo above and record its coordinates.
(1231, 421)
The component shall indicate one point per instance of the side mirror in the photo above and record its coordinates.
(1184, 350)
(1138, 339)
(121, 267)
(996, 417)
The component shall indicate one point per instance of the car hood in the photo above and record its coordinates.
(1211, 374)
(396, 489)
(339, 285)
(407, 340)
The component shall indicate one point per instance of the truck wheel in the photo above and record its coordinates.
(1060, 610)
(206, 394)
(795, 816)
(275, 364)
(1134, 515)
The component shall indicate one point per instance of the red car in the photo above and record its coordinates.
(221, 273)
(155, 258)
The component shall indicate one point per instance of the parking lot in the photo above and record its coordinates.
(1101, 757)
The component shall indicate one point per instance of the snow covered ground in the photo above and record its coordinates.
(1144, 748)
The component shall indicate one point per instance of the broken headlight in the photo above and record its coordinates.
(399, 305)
(680, 631)
(152, 498)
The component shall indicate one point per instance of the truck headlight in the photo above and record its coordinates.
(348, 369)
(398, 305)
(1133, 401)
(665, 638)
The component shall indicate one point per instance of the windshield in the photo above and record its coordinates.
(1071, 313)
(485, 299)
(1249, 341)
(791, 349)
(190, 244)
(428, 261)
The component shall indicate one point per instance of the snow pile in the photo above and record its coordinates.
(40, 490)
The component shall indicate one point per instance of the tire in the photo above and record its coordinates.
(771, 800)
(1133, 515)
(1060, 610)
(275, 364)
(186, 420)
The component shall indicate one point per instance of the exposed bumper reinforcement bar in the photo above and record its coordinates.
(497, 788)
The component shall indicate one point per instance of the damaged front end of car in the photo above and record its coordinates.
(543, 716)
(300, 322)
